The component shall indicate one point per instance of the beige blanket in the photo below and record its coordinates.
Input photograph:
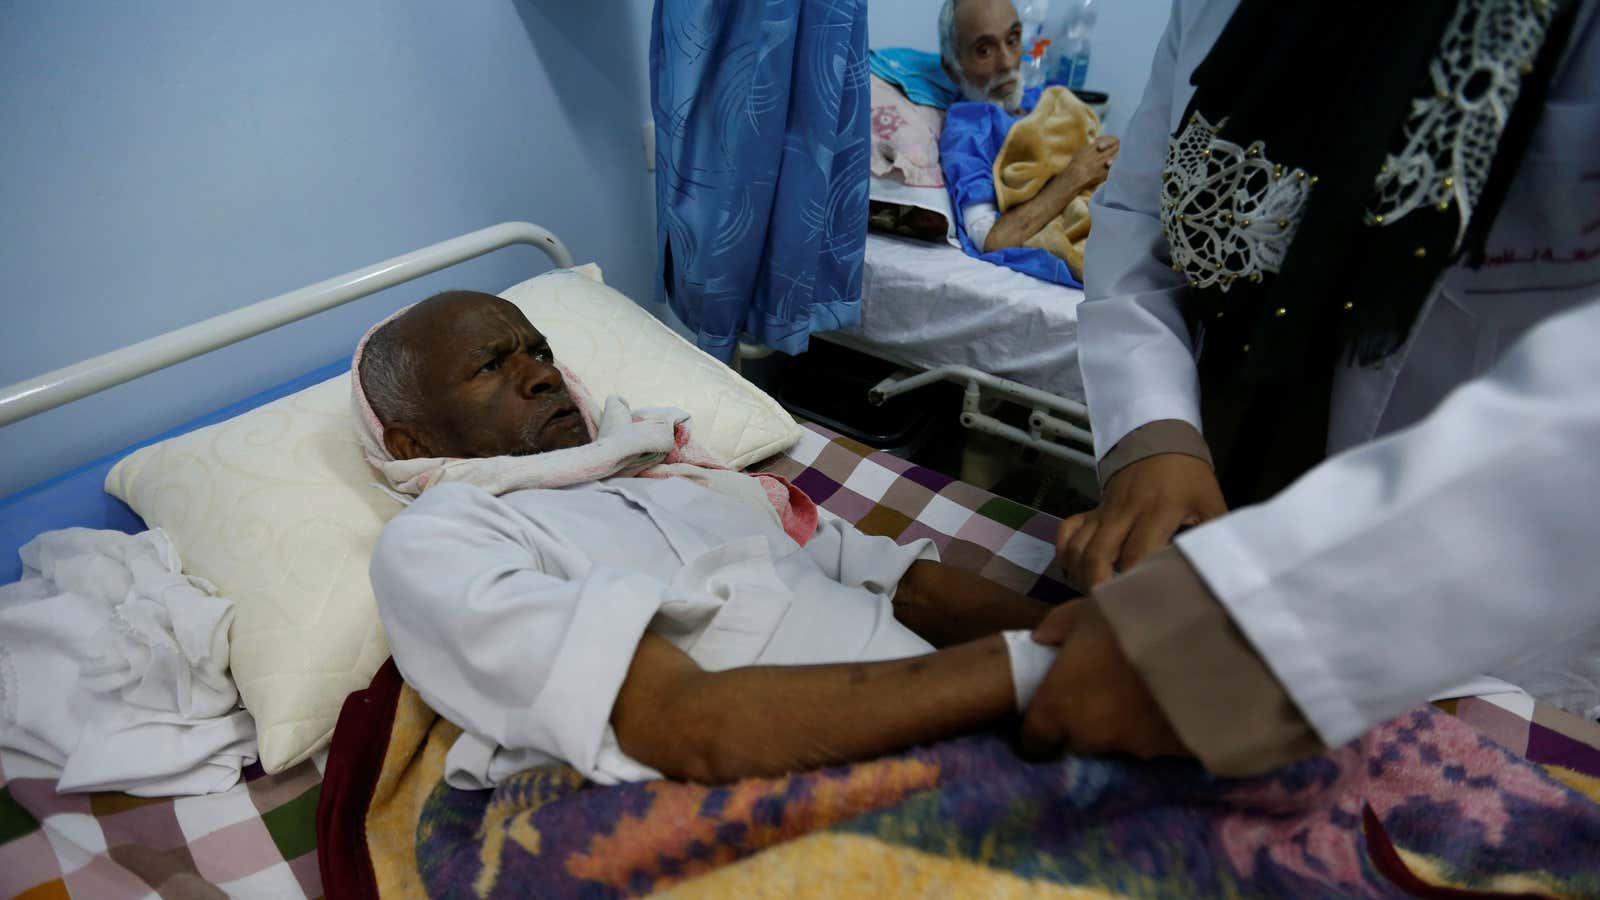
(1039, 146)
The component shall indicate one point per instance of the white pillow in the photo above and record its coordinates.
(277, 508)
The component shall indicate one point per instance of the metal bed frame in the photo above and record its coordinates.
(36, 395)
(1057, 426)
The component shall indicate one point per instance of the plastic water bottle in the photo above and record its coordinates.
(1072, 44)
(1032, 15)
(1033, 64)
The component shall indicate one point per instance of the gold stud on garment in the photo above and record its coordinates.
(1526, 69)
(1449, 181)
(1349, 305)
(1377, 219)
(1206, 153)
(1219, 313)
(1443, 206)
(1281, 312)
(1255, 152)
(1313, 179)
(1300, 174)
(1283, 223)
(1277, 170)
(1383, 169)
(1420, 252)
(1257, 277)
(1247, 348)
(1177, 268)
(1245, 222)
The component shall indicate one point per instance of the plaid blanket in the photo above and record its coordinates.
(256, 840)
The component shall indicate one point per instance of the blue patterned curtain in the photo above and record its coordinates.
(762, 124)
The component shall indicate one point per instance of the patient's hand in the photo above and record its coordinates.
(1142, 507)
(1092, 700)
(1090, 166)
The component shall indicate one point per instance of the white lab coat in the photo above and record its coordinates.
(516, 617)
(1435, 553)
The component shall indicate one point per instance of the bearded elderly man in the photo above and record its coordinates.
(568, 586)
(980, 45)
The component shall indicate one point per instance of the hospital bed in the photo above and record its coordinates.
(1005, 337)
(260, 838)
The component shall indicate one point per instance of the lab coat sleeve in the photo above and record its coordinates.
(499, 636)
(1134, 349)
(1452, 548)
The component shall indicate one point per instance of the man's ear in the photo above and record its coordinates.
(404, 443)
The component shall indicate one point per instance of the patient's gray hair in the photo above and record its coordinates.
(949, 43)
(389, 377)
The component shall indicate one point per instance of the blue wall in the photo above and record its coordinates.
(165, 162)
(1119, 62)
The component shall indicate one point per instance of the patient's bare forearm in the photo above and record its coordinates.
(1020, 223)
(945, 605)
(714, 727)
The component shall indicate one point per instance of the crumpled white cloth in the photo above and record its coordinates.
(114, 666)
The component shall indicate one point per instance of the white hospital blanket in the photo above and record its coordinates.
(114, 667)
(929, 305)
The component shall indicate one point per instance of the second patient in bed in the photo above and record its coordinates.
(634, 626)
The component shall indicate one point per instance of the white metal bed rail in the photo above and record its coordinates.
(26, 398)
(1051, 416)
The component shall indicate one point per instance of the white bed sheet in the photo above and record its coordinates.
(930, 305)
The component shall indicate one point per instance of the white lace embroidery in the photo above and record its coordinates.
(1227, 211)
(1452, 133)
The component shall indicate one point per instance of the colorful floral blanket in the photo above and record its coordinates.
(1422, 803)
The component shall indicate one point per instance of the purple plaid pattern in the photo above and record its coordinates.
(879, 493)
(257, 839)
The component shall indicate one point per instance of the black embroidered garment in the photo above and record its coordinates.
(1335, 159)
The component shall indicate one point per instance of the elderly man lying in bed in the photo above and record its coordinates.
(569, 585)
(1019, 166)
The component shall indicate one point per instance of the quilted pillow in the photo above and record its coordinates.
(277, 506)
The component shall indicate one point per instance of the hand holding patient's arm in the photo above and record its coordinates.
(1141, 508)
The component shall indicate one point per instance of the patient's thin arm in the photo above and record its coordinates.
(1016, 226)
(945, 605)
(715, 727)
(1020, 223)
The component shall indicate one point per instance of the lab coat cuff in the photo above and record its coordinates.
(1216, 692)
(1154, 439)
(1112, 425)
